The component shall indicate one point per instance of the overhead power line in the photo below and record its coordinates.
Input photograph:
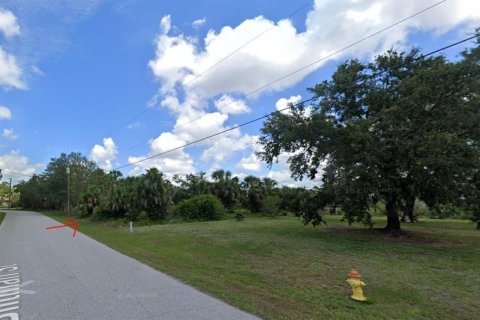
(281, 110)
(307, 66)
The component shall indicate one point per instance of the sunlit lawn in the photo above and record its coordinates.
(278, 268)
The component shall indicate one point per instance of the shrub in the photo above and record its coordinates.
(448, 211)
(133, 214)
(101, 215)
(200, 208)
(242, 211)
(143, 218)
(81, 209)
(271, 205)
(239, 216)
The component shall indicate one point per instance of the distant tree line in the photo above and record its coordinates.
(151, 196)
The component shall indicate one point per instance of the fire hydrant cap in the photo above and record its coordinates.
(354, 274)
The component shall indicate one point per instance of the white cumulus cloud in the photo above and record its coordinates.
(223, 146)
(17, 166)
(5, 113)
(10, 72)
(229, 105)
(104, 154)
(8, 23)
(330, 25)
(199, 22)
(175, 162)
(283, 103)
(250, 163)
(135, 125)
(9, 134)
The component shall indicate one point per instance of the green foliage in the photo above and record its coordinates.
(191, 185)
(138, 216)
(448, 211)
(200, 208)
(226, 188)
(81, 209)
(271, 205)
(132, 215)
(155, 194)
(104, 196)
(474, 213)
(293, 199)
(143, 218)
(239, 216)
(4, 189)
(254, 190)
(8, 198)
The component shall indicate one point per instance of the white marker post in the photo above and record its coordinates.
(131, 226)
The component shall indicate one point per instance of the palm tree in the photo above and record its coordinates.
(226, 188)
(255, 190)
(269, 185)
(155, 193)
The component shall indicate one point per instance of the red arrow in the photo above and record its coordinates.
(70, 223)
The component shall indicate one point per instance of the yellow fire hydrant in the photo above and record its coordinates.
(356, 285)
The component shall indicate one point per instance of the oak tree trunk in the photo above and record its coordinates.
(393, 223)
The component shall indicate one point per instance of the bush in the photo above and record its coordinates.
(200, 208)
(271, 205)
(239, 216)
(448, 211)
(134, 214)
(242, 211)
(143, 218)
(81, 209)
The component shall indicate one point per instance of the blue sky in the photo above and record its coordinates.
(74, 74)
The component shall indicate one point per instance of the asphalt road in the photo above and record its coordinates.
(52, 276)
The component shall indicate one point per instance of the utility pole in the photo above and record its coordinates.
(1, 174)
(11, 206)
(68, 190)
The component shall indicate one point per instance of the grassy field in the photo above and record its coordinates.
(279, 269)
(2, 215)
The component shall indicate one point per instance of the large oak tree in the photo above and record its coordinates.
(400, 128)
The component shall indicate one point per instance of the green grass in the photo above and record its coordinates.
(2, 215)
(279, 269)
